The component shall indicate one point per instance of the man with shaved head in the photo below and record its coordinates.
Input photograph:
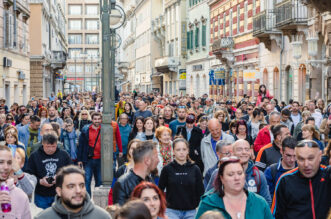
(255, 179)
(208, 143)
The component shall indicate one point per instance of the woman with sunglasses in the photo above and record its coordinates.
(160, 121)
(10, 119)
(152, 196)
(83, 119)
(230, 198)
(182, 179)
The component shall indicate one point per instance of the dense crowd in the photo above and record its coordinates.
(174, 157)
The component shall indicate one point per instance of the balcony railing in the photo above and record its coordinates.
(264, 22)
(291, 13)
(59, 59)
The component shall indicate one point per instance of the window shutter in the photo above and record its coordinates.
(191, 40)
(197, 37)
(204, 35)
(5, 29)
(188, 40)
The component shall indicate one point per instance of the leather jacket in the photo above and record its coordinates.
(124, 186)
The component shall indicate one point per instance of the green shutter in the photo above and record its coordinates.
(191, 39)
(188, 40)
(197, 37)
(204, 35)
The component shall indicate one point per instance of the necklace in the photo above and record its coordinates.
(233, 209)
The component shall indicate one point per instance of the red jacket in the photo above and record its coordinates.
(116, 137)
(263, 138)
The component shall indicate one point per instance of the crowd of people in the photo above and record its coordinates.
(175, 157)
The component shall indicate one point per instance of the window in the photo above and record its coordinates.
(204, 34)
(254, 7)
(171, 49)
(246, 16)
(75, 24)
(92, 39)
(224, 24)
(231, 22)
(197, 37)
(75, 9)
(75, 39)
(8, 29)
(74, 52)
(238, 19)
(91, 24)
(75, 68)
(94, 53)
(92, 10)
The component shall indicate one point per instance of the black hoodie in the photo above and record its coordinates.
(40, 164)
(183, 184)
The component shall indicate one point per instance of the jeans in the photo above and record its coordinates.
(92, 167)
(43, 201)
(178, 214)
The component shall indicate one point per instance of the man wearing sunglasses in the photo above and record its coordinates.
(180, 121)
(305, 191)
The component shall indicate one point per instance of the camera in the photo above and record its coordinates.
(49, 180)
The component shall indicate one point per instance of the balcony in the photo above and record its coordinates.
(166, 64)
(291, 14)
(59, 59)
(264, 23)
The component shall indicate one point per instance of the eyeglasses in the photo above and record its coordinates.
(249, 109)
(307, 143)
(9, 118)
(227, 154)
(84, 114)
(161, 118)
(181, 107)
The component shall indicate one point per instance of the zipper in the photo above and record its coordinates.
(312, 199)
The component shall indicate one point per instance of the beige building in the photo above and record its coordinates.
(14, 51)
(84, 44)
(48, 47)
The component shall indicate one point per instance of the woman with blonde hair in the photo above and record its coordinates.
(164, 148)
(309, 133)
(84, 118)
(222, 118)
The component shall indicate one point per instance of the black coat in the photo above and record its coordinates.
(194, 142)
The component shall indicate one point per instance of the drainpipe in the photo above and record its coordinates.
(280, 68)
(15, 24)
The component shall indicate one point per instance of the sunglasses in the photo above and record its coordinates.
(84, 114)
(9, 118)
(249, 109)
(161, 118)
(181, 107)
(307, 143)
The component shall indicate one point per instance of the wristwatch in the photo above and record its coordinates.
(18, 172)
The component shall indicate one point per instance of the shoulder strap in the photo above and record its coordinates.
(257, 178)
(273, 170)
(96, 140)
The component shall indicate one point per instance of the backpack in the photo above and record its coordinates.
(257, 178)
(273, 171)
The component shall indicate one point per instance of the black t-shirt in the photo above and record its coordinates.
(149, 137)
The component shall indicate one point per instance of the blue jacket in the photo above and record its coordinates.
(24, 134)
(256, 206)
(255, 182)
(125, 132)
(82, 152)
(268, 175)
(65, 139)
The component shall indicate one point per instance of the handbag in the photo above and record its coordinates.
(90, 154)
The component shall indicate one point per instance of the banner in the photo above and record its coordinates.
(251, 75)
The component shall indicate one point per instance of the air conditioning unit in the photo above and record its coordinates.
(7, 62)
(21, 75)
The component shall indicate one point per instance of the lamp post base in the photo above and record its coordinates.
(100, 196)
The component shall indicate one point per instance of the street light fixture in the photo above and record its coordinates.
(297, 50)
(312, 46)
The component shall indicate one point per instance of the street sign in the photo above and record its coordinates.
(251, 75)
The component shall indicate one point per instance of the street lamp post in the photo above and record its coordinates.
(91, 80)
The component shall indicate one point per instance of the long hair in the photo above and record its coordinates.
(241, 122)
(179, 139)
(150, 118)
(135, 129)
(41, 110)
(311, 128)
(265, 90)
(138, 190)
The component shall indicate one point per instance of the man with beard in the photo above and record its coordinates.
(180, 121)
(53, 117)
(72, 200)
(168, 115)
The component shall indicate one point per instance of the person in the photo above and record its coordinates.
(149, 127)
(286, 119)
(270, 153)
(152, 196)
(304, 192)
(180, 121)
(43, 114)
(159, 121)
(129, 111)
(255, 121)
(193, 135)
(23, 180)
(125, 130)
(142, 111)
(138, 129)
(221, 115)
(182, 180)
(286, 163)
(263, 92)
(309, 133)
(264, 136)
(44, 163)
(53, 116)
(145, 159)
(69, 139)
(10, 119)
(326, 158)
(24, 120)
(71, 200)
(89, 149)
(135, 209)
(325, 128)
(223, 149)
(295, 113)
(11, 139)
(230, 197)
(164, 147)
(242, 132)
(208, 143)
(297, 130)
(168, 115)
(18, 200)
(203, 125)
(83, 119)
(3, 126)
(30, 134)
(315, 113)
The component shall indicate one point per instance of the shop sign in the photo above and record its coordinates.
(251, 75)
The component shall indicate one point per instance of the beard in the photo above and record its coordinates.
(68, 203)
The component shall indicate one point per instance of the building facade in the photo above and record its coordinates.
(14, 51)
(232, 42)
(48, 49)
(198, 59)
(84, 45)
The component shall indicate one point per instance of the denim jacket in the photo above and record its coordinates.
(65, 139)
(24, 133)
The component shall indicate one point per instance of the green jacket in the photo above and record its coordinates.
(256, 206)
